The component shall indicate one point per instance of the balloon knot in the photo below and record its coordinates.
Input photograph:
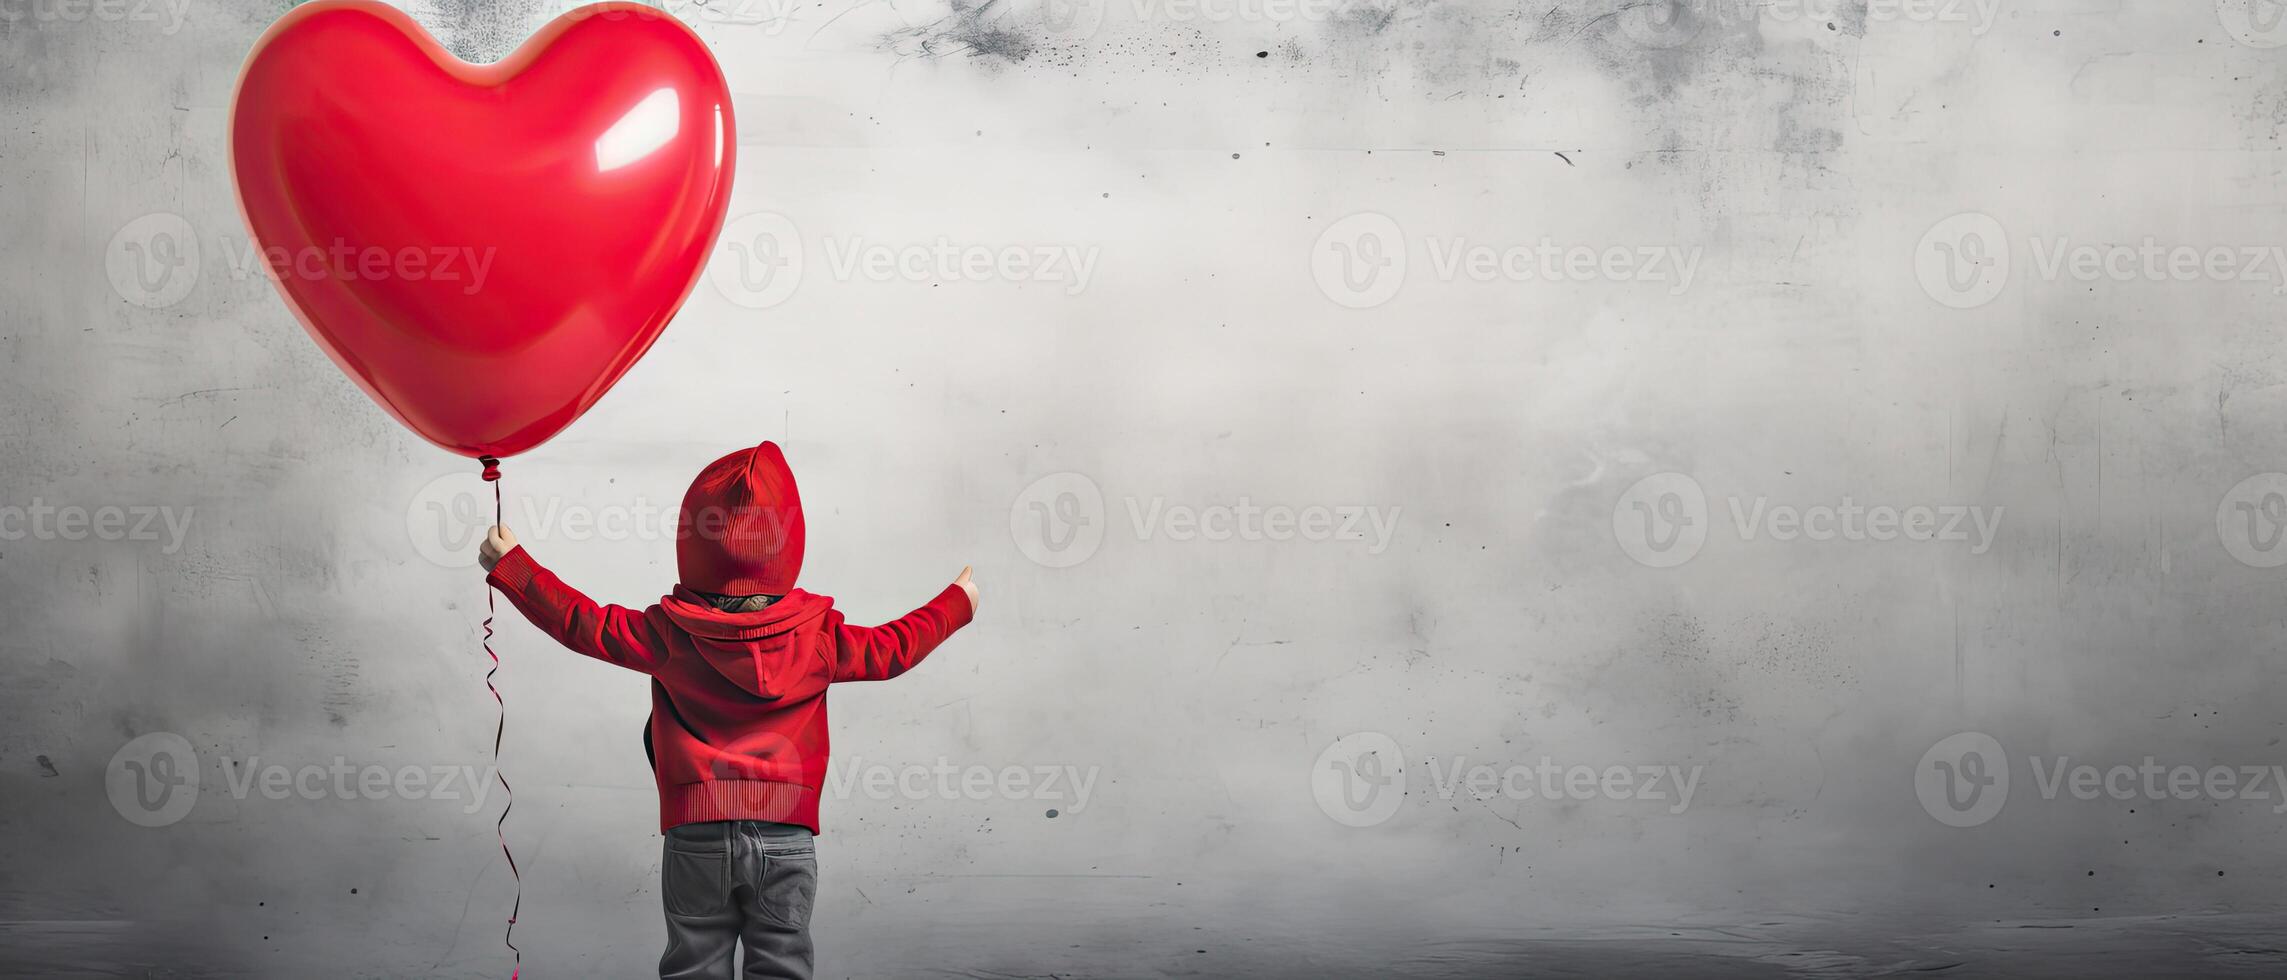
(491, 467)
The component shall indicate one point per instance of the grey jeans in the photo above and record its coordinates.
(738, 882)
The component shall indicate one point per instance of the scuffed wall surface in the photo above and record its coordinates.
(1267, 255)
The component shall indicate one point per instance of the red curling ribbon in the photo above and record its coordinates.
(499, 827)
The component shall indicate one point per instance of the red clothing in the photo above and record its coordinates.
(740, 530)
(738, 700)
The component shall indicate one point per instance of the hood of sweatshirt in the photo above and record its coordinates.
(740, 531)
(746, 647)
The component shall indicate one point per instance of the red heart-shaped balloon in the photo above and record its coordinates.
(484, 248)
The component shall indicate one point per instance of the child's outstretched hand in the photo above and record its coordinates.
(966, 585)
(500, 541)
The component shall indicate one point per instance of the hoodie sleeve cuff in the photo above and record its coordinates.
(513, 573)
(955, 602)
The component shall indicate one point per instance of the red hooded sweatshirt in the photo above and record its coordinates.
(738, 700)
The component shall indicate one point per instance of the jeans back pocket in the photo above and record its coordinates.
(692, 878)
(789, 885)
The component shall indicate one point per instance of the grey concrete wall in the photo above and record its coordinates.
(1917, 451)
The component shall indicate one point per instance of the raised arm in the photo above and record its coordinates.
(613, 634)
(878, 653)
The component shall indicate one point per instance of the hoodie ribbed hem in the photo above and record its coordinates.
(513, 573)
(738, 799)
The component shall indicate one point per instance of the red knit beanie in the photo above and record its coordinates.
(740, 530)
